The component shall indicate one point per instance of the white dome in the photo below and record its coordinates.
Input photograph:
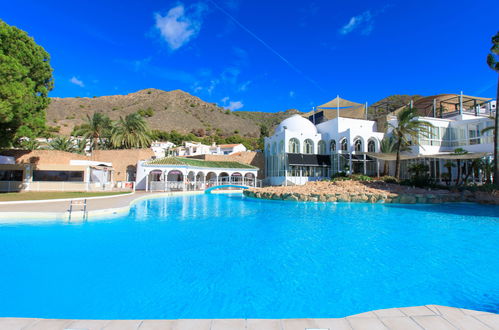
(298, 124)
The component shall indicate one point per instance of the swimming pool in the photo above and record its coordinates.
(227, 256)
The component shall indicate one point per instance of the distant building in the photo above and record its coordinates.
(162, 148)
(197, 148)
(325, 142)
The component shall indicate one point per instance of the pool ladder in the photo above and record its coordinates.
(82, 204)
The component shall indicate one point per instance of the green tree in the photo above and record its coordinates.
(459, 151)
(493, 63)
(29, 144)
(407, 132)
(388, 146)
(25, 81)
(131, 132)
(96, 127)
(62, 143)
(448, 177)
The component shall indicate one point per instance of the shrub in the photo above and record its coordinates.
(149, 112)
(361, 177)
(389, 179)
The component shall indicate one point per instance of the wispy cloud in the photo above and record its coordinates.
(364, 22)
(291, 94)
(235, 105)
(244, 86)
(180, 24)
(231, 105)
(76, 81)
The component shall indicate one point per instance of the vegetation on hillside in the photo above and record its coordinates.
(25, 81)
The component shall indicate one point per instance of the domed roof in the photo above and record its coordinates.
(298, 124)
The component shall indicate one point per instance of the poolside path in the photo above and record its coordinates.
(93, 204)
(422, 317)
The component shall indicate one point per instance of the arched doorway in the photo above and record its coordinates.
(200, 182)
(156, 181)
(191, 180)
(211, 179)
(236, 178)
(175, 180)
(224, 178)
(249, 179)
(131, 172)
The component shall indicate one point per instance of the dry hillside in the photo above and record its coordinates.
(174, 110)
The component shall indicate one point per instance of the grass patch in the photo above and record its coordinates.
(41, 195)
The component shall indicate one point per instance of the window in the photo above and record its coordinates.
(281, 147)
(358, 145)
(322, 148)
(294, 146)
(73, 176)
(308, 147)
(332, 146)
(371, 146)
(11, 175)
(344, 145)
(274, 148)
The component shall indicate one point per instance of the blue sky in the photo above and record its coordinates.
(264, 55)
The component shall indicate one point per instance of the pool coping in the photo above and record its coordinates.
(418, 317)
(21, 216)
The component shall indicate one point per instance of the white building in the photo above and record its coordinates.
(161, 148)
(227, 149)
(197, 148)
(300, 151)
(179, 173)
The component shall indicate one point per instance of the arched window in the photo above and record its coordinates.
(268, 149)
(332, 146)
(308, 147)
(294, 146)
(371, 146)
(274, 150)
(357, 145)
(344, 145)
(281, 147)
(321, 148)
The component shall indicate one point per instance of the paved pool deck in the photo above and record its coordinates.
(95, 205)
(430, 317)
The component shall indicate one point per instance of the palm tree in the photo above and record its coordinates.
(448, 165)
(62, 144)
(131, 132)
(30, 144)
(387, 146)
(493, 62)
(459, 151)
(95, 128)
(407, 132)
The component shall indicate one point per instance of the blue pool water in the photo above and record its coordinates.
(227, 256)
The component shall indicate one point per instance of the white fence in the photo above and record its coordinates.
(14, 186)
(196, 186)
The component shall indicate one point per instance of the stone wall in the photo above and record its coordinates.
(122, 159)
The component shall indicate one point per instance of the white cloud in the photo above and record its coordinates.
(178, 27)
(244, 86)
(76, 81)
(363, 21)
(234, 105)
(291, 93)
(231, 105)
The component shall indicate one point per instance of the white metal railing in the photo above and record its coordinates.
(199, 186)
(13, 186)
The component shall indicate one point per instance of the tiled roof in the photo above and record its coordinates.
(198, 163)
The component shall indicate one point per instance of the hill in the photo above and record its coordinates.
(166, 111)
